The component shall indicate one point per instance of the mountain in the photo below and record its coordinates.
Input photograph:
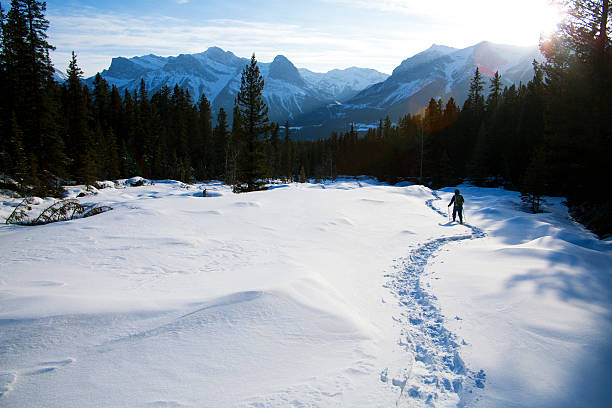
(59, 76)
(341, 85)
(289, 91)
(318, 103)
(438, 72)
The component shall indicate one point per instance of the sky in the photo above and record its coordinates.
(316, 34)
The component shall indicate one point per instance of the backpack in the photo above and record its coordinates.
(459, 200)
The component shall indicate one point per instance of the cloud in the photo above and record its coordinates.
(381, 42)
(112, 34)
(182, 1)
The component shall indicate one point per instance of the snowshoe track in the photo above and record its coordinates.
(438, 376)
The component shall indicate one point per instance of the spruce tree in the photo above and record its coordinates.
(236, 147)
(144, 147)
(27, 85)
(204, 149)
(534, 181)
(79, 137)
(286, 154)
(495, 89)
(21, 169)
(451, 113)
(578, 88)
(222, 146)
(274, 154)
(475, 98)
(253, 115)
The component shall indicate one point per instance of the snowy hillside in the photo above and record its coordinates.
(444, 72)
(345, 294)
(216, 73)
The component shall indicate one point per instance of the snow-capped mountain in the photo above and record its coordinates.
(319, 103)
(285, 91)
(342, 85)
(216, 73)
(438, 72)
(206, 73)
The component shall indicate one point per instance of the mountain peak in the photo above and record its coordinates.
(283, 69)
(440, 48)
(222, 56)
(432, 53)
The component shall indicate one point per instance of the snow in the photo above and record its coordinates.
(342, 83)
(405, 90)
(349, 293)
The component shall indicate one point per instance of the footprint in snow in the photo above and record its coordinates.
(6, 383)
(49, 366)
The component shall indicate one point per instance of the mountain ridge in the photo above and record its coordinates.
(318, 103)
(289, 91)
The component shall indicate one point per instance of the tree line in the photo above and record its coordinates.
(549, 136)
(55, 133)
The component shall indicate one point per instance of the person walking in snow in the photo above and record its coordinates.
(458, 207)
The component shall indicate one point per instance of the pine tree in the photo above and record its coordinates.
(27, 86)
(495, 89)
(286, 167)
(79, 137)
(144, 146)
(535, 181)
(274, 155)
(253, 114)
(475, 98)
(451, 113)
(577, 92)
(236, 147)
(112, 163)
(101, 98)
(222, 146)
(205, 151)
(21, 169)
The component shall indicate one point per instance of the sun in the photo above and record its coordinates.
(548, 17)
(522, 22)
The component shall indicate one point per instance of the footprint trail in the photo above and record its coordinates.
(438, 376)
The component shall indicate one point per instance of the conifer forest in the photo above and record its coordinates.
(551, 136)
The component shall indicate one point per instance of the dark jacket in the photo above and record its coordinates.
(458, 200)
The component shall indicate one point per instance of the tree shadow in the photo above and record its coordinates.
(585, 276)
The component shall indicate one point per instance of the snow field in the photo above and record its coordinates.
(345, 294)
(532, 302)
(228, 300)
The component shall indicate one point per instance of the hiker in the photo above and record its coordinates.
(458, 207)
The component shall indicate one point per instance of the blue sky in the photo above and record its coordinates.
(319, 35)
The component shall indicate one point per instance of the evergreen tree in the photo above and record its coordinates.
(27, 84)
(495, 89)
(144, 145)
(101, 99)
(578, 88)
(451, 113)
(111, 162)
(475, 98)
(286, 167)
(21, 169)
(274, 154)
(207, 154)
(236, 147)
(534, 182)
(253, 115)
(222, 145)
(78, 133)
